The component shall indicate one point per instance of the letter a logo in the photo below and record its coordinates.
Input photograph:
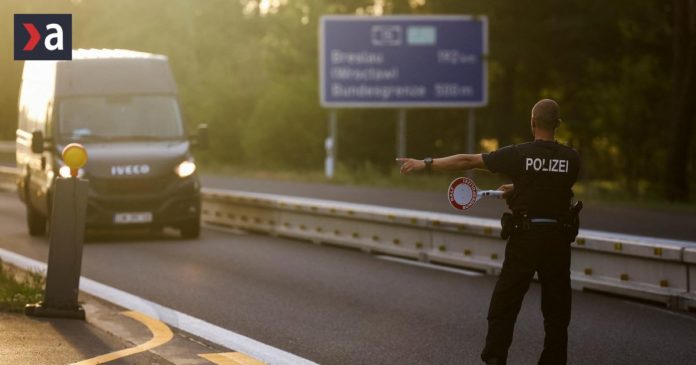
(43, 36)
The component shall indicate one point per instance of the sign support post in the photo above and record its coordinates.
(331, 145)
(401, 134)
(471, 132)
(471, 137)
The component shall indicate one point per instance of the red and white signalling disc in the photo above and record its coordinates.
(462, 193)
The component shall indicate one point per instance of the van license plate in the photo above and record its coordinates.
(129, 218)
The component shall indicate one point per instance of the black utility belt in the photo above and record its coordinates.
(543, 221)
(512, 223)
(520, 222)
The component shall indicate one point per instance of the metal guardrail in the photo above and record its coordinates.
(8, 147)
(8, 178)
(640, 267)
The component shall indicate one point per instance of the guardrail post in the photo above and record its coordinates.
(66, 240)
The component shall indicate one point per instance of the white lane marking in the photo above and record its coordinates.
(182, 321)
(663, 310)
(428, 265)
(230, 230)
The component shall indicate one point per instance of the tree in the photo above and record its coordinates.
(684, 98)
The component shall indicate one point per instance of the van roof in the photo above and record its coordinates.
(95, 53)
(112, 72)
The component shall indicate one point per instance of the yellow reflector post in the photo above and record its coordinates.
(74, 156)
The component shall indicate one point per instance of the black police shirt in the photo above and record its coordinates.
(543, 173)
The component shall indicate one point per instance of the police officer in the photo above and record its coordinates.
(543, 173)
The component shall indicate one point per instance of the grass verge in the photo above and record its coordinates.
(17, 289)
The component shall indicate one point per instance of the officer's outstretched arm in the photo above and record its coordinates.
(450, 163)
(458, 162)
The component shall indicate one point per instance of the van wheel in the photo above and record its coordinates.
(35, 221)
(191, 229)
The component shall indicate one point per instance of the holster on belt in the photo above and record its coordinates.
(506, 225)
(511, 223)
(571, 221)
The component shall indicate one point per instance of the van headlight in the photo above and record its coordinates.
(185, 169)
(64, 171)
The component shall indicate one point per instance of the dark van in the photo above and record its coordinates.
(123, 107)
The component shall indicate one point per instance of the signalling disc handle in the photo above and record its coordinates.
(492, 193)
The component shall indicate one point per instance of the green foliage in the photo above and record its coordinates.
(18, 291)
(250, 73)
(284, 129)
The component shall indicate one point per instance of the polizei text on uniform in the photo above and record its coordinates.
(542, 164)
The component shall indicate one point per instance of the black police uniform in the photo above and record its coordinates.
(543, 173)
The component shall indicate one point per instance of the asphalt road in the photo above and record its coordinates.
(338, 306)
(670, 223)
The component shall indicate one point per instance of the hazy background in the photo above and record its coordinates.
(249, 69)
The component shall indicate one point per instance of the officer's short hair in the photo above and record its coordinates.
(546, 114)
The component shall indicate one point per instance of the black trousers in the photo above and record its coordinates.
(545, 250)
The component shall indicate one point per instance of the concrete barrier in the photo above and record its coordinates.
(640, 267)
(8, 178)
(690, 260)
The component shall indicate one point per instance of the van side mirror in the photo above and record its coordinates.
(202, 136)
(37, 142)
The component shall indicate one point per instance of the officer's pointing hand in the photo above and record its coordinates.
(410, 164)
(507, 190)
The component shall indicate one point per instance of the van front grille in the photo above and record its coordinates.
(131, 186)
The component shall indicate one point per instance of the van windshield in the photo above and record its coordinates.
(120, 118)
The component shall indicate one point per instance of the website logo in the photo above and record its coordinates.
(43, 36)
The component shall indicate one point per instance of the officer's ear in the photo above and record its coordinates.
(558, 123)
